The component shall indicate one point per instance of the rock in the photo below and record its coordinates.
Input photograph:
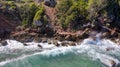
(4, 43)
(72, 44)
(50, 3)
(27, 30)
(37, 40)
(113, 63)
(67, 37)
(44, 40)
(25, 44)
(64, 43)
(55, 42)
(49, 42)
(19, 28)
(40, 46)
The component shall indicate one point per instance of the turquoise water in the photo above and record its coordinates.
(67, 60)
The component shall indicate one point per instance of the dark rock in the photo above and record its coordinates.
(40, 46)
(4, 43)
(57, 44)
(25, 44)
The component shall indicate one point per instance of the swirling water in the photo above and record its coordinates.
(82, 55)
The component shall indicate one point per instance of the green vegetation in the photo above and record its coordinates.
(27, 12)
(40, 16)
(72, 13)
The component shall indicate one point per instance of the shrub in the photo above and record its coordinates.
(72, 13)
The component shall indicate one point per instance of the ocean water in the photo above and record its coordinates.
(82, 55)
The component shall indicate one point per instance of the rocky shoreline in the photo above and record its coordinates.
(66, 38)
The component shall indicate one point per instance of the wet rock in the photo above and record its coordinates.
(44, 40)
(40, 46)
(113, 63)
(25, 44)
(64, 43)
(57, 44)
(4, 43)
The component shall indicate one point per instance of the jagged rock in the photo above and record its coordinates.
(4, 43)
